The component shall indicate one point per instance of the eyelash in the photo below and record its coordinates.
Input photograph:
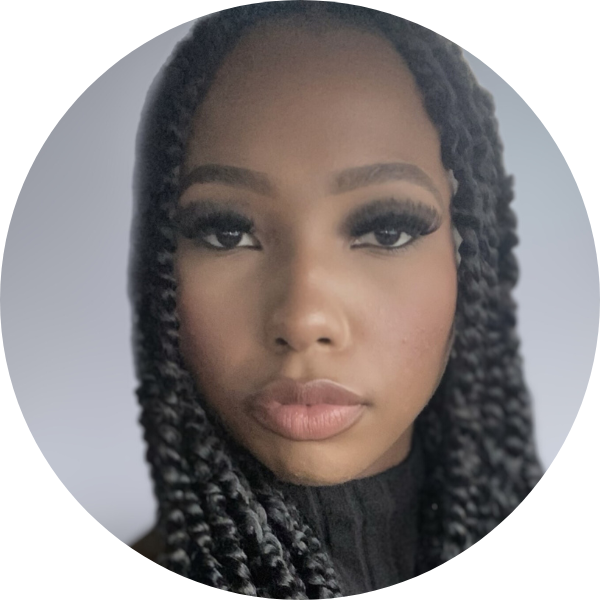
(199, 227)
(414, 220)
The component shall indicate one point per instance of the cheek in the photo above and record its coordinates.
(410, 326)
(215, 327)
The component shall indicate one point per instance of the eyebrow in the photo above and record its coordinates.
(345, 181)
(231, 176)
(357, 177)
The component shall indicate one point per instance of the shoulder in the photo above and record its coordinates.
(150, 545)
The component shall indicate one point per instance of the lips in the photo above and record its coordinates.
(316, 410)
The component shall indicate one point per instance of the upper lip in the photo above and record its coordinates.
(310, 393)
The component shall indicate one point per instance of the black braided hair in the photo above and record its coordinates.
(225, 522)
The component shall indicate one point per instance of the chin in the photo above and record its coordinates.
(312, 469)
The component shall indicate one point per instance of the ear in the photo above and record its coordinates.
(457, 242)
(452, 180)
(455, 235)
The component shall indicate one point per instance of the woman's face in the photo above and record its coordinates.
(316, 244)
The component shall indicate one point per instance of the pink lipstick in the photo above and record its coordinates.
(315, 410)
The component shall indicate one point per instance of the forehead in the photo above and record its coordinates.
(296, 95)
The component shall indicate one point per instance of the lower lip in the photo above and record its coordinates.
(301, 422)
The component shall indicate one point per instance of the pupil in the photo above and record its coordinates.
(229, 239)
(387, 237)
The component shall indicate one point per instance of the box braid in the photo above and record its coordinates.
(224, 520)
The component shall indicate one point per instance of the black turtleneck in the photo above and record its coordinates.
(368, 526)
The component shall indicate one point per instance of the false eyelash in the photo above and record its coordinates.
(195, 222)
(409, 217)
(413, 225)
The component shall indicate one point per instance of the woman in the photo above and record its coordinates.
(329, 372)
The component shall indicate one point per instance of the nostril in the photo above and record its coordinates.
(282, 342)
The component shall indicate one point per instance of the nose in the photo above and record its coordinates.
(308, 308)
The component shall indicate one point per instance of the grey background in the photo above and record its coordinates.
(66, 318)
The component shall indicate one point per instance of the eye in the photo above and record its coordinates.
(228, 239)
(214, 228)
(388, 237)
(390, 224)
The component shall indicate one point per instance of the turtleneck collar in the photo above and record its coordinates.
(368, 526)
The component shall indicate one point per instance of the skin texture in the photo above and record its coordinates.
(301, 298)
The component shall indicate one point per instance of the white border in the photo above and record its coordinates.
(52, 51)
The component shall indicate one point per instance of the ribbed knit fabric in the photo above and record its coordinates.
(369, 526)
